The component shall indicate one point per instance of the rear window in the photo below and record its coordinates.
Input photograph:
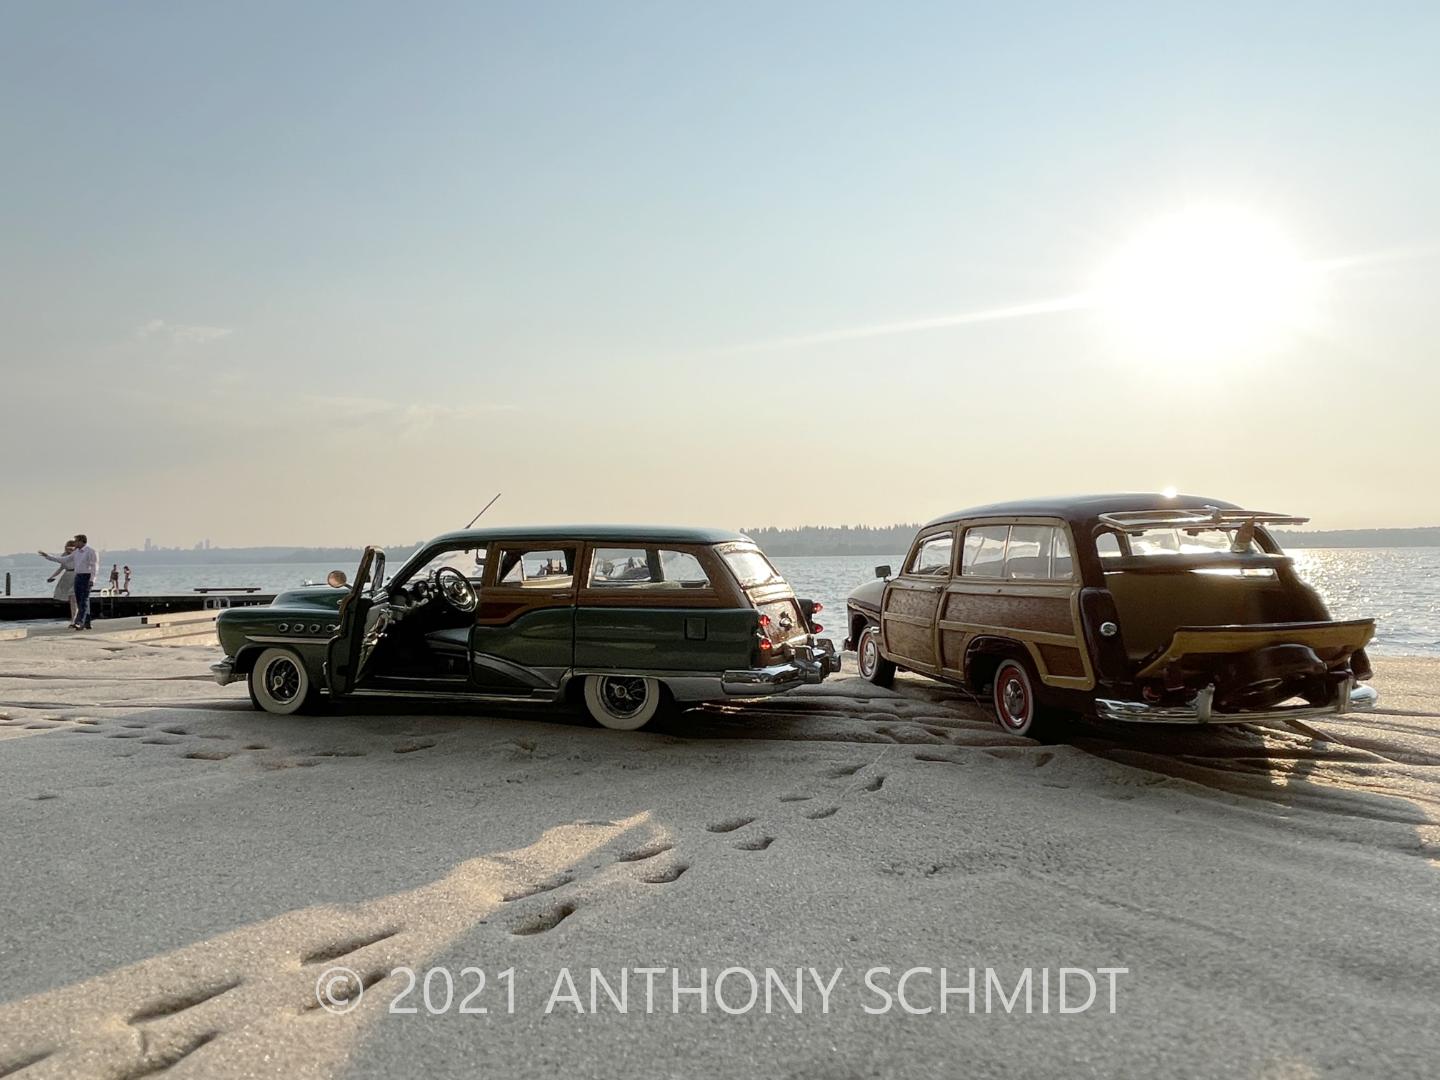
(750, 566)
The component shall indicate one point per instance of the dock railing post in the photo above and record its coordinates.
(7, 582)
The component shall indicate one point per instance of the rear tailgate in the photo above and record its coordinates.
(1333, 642)
(779, 605)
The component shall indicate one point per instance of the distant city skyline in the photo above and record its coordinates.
(332, 273)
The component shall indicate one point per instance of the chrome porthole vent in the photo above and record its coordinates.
(315, 628)
(284, 626)
(332, 627)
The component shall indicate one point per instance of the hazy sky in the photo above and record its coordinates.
(328, 273)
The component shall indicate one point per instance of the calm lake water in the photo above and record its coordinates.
(1398, 587)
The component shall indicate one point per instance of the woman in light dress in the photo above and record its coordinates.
(65, 582)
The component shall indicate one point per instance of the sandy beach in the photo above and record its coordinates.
(181, 872)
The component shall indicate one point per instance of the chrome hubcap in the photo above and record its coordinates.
(867, 654)
(1014, 702)
(623, 697)
(283, 680)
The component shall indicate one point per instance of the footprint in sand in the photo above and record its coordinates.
(729, 824)
(839, 771)
(535, 890)
(334, 950)
(179, 1002)
(755, 843)
(546, 920)
(821, 812)
(649, 851)
(874, 785)
(666, 874)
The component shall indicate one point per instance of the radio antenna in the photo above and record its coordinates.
(478, 516)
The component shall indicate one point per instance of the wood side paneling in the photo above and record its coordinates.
(1059, 660)
(1050, 615)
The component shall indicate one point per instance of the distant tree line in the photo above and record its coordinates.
(801, 540)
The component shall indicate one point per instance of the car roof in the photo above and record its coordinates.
(1084, 509)
(662, 534)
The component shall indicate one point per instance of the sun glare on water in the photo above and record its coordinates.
(1208, 284)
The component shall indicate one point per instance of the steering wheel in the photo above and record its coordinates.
(455, 589)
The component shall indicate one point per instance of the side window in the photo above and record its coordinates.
(933, 556)
(984, 555)
(537, 568)
(1062, 563)
(1028, 555)
(1107, 545)
(648, 568)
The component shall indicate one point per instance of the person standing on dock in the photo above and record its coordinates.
(85, 561)
(114, 578)
(64, 579)
(126, 587)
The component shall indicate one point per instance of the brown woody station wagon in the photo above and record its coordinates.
(1136, 608)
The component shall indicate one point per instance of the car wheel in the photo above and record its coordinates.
(622, 702)
(1016, 708)
(874, 667)
(279, 682)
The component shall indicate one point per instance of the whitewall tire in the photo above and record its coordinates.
(874, 668)
(622, 702)
(1016, 709)
(279, 682)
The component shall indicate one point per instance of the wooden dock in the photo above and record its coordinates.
(17, 608)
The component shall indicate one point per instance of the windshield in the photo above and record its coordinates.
(469, 561)
(750, 566)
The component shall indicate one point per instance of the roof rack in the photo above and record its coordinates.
(1203, 517)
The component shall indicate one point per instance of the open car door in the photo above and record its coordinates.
(362, 618)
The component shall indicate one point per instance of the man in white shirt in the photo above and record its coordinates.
(85, 561)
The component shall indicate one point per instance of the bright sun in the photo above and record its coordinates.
(1209, 283)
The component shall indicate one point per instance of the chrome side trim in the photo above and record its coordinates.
(287, 639)
(1352, 697)
(504, 699)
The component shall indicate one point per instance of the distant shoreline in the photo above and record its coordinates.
(812, 540)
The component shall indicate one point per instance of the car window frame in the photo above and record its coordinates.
(593, 548)
(921, 540)
(1061, 526)
(498, 548)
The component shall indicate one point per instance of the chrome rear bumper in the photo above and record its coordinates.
(224, 672)
(1351, 697)
(808, 664)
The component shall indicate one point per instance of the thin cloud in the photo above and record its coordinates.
(403, 418)
(181, 333)
(857, 333)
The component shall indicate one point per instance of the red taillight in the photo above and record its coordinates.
(764, 622)
(765, 645)
(819, 607)
(815, 627)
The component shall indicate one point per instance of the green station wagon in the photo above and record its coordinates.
(627, 617)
